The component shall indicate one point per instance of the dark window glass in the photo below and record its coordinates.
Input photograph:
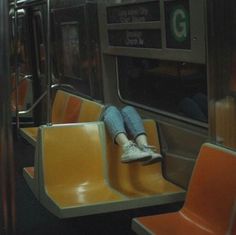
(40, 45)
(70, 47)
(175, 87)
(22, 52)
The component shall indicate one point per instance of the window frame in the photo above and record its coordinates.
(156, 110)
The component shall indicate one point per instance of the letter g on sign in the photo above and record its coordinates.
(179, 23)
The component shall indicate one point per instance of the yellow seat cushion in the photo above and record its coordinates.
(135, 180)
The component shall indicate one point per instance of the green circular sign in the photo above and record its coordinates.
(179, 23)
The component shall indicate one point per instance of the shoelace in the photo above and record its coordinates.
(131, 146)
(151, 147)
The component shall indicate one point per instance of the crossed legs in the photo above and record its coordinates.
(117, 122)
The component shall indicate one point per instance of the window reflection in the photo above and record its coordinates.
(40, 45)
(22, 53)
(225, 108)
(174, 87)
(70, 44)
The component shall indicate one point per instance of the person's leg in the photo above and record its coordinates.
(115, 123)
(134, 124)
(115, 126)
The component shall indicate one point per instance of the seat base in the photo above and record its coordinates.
(180, 224)
(29, 134)
(29, 176)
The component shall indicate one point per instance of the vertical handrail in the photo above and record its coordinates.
(7, 187)
(48, 64)
(17, 72)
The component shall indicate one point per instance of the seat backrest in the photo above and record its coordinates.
(68, 153)
(59, 106)
(66, 107)
(135, 179)
(70, 108)
(90, 111)
(212, 190)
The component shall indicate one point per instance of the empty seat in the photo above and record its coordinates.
(73, 174)
(210, 206)
(67, 108)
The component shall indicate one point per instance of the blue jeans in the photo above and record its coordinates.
(119, 121)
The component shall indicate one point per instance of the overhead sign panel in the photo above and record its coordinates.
(177, 19)
(133, 13)
(135, 38)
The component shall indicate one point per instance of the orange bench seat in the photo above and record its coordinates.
(72, 173)
(134, 180)
(67, 108)
(210, 206)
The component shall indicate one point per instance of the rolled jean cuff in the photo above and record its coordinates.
(138, 134)
(133, 121)
(116, 134)
(113, 121)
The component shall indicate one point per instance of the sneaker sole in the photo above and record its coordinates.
(152, 161)
(147, 158)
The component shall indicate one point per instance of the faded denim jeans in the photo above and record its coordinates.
(126, 120)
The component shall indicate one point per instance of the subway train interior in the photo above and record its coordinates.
(62, 63)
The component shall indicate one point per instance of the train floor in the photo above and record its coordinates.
(33, 218)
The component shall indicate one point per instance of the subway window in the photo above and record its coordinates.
(171, 87)
(70, 47)
(22, 50)
(39, 42)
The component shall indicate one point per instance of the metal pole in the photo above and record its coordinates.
(48, 64)
(7, 187)
(17, 72)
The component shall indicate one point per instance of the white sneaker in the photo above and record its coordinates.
(151, 150)
(133, 153)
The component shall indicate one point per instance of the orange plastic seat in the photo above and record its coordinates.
(67, 108)
(70, 177)
(59, 106)
(210, 206)
(30, 134)
(90, 111)
(73, 175)
(32, 179)
(135, 180)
